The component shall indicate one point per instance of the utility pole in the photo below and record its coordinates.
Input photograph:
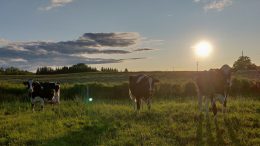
(197, 66)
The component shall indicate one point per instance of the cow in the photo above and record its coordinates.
(141, 88)
(43, 92)
(214, 85)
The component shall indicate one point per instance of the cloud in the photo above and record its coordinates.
(143, 49)
(4, 42)
(111, 39)
(18, 60)
(56, 4)
(218, 5)
(29, 55)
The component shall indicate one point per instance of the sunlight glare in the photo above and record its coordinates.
(203, 48)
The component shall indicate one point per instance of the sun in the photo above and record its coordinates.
(203, 48)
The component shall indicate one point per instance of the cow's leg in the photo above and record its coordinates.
(200, 101)
(207, 104)
(33, 107)
(224, 105)
(132, 97)
(134, 104)
(42, 103)
(214, 107)
(149, 100)
(32, 104)
(138, 104)
(40, 100)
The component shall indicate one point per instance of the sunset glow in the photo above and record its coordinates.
(203, 48)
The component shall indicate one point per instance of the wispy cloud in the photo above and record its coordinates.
(30, 55)
(17, 60)
(218, 5)
(55, 4)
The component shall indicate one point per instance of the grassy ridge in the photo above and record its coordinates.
(173, 122)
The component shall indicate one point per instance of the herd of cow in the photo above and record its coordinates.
(213, 85)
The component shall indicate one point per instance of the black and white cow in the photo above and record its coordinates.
(141, 88)
(43, 92)
(214, 85)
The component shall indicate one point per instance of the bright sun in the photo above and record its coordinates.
(203, 48)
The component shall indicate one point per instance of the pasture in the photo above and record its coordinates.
(111, 120)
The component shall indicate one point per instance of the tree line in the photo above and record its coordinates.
(13, 71)
(77, 68)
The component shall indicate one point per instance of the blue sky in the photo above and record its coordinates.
(140, 34)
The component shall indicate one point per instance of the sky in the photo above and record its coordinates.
(141, 35)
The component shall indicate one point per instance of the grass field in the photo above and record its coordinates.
(174, 120)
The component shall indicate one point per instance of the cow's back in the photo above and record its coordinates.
(139, 86)
(210, 82)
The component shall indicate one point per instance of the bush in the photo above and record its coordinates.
(244, 87)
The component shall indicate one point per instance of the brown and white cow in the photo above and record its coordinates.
(141, 88)
(214, 85)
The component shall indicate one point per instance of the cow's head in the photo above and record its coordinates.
(151, 83)
(226, 71)
(29, 85)
(57, 90)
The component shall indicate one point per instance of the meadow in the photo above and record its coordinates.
(111, 120)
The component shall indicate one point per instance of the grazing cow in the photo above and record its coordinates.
(43, 92)
(214, 85)
(141, 88)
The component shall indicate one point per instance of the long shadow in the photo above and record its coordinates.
(199, 135)
(209, 136)
(232, 134)
(87, 136)
(219, 134)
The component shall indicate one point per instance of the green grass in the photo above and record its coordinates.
(170, 122)
(111, 120)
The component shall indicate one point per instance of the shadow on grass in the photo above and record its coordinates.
(199, 134)
(210, 139)
(219, 134)
(209, 135)
(88, 135)
(231, 124)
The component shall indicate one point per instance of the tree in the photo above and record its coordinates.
(244, 63)
(126, 70)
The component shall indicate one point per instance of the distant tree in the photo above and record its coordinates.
(13, 71)
(244, 63)
(126, 70)
(103, 69)
(80, 67)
